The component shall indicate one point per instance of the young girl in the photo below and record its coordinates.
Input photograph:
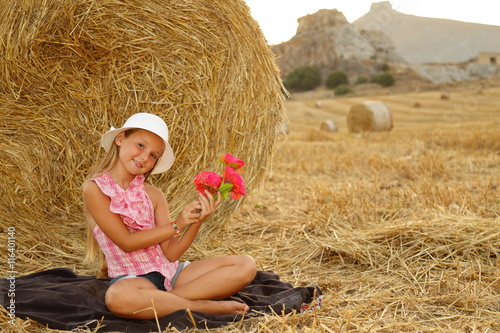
(131, 223)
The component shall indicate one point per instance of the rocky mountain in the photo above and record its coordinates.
(437, 50)
(430, 40)
(328, 40)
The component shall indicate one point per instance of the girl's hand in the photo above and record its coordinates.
(208, 204)
(189, 215)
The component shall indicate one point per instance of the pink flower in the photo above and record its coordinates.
(230, 182)
(207, 180)
(232, 161)
(231, 176)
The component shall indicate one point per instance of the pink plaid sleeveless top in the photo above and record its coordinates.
(136, 210)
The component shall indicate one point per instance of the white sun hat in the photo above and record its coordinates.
(148, 122)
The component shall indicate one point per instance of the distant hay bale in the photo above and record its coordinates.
(328, 126)
(445, 96)
(417, 105)
(370, 116)
(70, 69)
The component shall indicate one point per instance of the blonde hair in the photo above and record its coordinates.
(104, 165)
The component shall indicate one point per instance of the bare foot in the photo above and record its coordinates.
(221, 307)
(235, 307)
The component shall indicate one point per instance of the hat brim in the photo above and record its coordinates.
(164, 163)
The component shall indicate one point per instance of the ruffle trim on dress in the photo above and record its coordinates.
(128, 203)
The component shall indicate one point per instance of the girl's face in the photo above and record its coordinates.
(139, 151)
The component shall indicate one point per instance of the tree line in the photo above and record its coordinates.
(306, 78)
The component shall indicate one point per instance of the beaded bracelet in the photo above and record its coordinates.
(177, 231)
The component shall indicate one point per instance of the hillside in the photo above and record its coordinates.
(421, 39)
(326, 39)
(432, 50)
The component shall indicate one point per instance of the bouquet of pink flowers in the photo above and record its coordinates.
(229, 183)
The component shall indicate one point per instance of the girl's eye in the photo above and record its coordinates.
(153, 156)
(140, 145)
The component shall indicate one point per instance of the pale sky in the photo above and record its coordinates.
(278, 18)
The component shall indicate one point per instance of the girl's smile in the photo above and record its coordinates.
(137, 163)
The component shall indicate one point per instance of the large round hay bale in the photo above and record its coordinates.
(369, 116)
(70, 69)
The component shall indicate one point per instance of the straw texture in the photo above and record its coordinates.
(70, 69)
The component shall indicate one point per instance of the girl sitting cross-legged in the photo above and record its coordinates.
(130, 221)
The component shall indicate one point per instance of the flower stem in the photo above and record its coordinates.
(186, 228)
(183, 232)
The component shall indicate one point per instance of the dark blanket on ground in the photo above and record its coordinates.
(64, 300)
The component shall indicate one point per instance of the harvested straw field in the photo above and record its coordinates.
(400, 229)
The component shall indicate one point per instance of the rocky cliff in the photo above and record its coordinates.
(423, 40)
(437, 50)
(326, 39)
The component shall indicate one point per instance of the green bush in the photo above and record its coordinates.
(361, 80)
(342, 90)
(303, 78)
(384, 67)
(335, 79)
(384, 79)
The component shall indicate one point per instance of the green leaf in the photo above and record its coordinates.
(224, 190)
(224, 195)
(226, 187)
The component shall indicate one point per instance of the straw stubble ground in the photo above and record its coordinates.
(400, 229)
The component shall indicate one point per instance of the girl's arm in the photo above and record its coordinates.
(162, 219)
(97, 205)
(172, 248)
